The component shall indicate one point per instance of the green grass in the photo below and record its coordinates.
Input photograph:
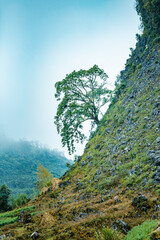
(107, 234)
(7, 221)
(142, 232)
(12, 216)
(15, 212)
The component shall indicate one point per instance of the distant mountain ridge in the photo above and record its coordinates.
(19, 161)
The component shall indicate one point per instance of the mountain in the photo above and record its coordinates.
(19, 161)
(116, 182)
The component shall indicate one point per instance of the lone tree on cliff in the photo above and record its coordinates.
(81, 94)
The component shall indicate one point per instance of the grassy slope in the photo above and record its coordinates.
(114, 168)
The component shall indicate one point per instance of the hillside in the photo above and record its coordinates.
(19, 161)
(116, 182)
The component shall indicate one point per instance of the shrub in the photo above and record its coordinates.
(107, 234)
(19, 201)
(142, 231)
(158, 191)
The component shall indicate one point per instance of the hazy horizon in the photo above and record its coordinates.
(41, 42)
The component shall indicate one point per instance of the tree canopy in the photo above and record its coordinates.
(149, 12)
(4, 197)
(19, 161)
(82, 94)
(44, 177)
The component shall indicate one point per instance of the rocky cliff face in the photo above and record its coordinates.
(125, 150)
(121, 163)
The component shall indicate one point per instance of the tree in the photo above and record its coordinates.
(44, 177)
(4, 197)
(81, 94)
(149, 12)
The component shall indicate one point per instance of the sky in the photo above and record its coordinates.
(43, 40)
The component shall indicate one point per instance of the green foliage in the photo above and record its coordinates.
(81, 94)
(7, 221)
(4, 197)
(68, 165)
(44, 177)
(19, 161)
(158, 191)
(141, 232)
(107, 234)
(149, 12)
(15, 212)
(12, 216)
(19, 200)
(111, 181)
(120, 87)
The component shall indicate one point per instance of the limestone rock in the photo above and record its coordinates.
(24, 217)
(35, 235)
(141, 202)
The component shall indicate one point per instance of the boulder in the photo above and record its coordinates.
(83, 163)
(64, 184)
(111, 190)
(24, 217)
(97, 146)
(2, 237)
(158, 140)
(35, 235)
(120, 225)
(82, 215)
(98, 172)
(141, 202)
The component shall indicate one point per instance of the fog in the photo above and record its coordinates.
(41, 42)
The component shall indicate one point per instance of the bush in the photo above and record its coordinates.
(141, 232)
(107, 234)
(19, 201)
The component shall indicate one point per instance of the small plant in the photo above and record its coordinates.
(158, 191)
(107, 234)
(68, 165)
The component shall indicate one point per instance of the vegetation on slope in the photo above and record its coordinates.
(19, 161)
(12, 216)
(149, 12)
(115, 183)
(142, 231)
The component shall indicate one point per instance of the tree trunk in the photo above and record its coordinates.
(96, 120)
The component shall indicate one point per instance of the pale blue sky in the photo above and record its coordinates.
(43, 40)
